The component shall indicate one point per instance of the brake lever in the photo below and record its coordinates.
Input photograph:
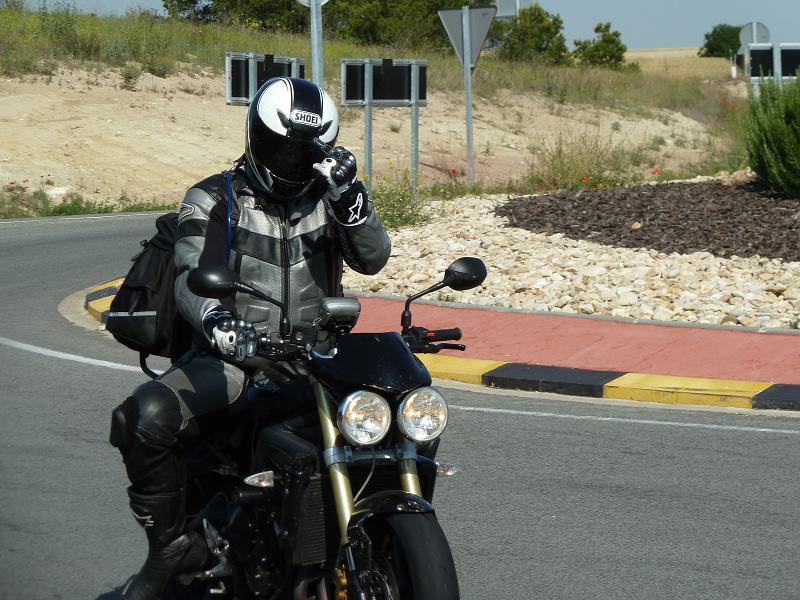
(461, 347)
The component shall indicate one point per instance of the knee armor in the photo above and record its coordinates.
(153, 412)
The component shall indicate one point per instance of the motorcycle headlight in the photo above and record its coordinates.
(422, 415)
(364, 418)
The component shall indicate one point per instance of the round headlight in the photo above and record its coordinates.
(364, 418)
(422, 415)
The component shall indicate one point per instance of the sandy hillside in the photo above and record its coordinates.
(85, 133)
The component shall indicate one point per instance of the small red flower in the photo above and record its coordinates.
(584, 179)
(453, 171)
(24, 189)
(656, 171)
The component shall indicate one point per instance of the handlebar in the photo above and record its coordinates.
(440, 335)
(420, 339)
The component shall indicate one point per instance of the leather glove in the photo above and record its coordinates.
(346, 197)
(234, 339)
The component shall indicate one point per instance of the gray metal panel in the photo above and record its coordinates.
(400, 62)
(252, 58)
(481, 20)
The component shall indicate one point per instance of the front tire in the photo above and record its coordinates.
(411, 559)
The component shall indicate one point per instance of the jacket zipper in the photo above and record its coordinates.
(285, 260)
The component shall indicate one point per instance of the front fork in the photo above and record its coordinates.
(340, 479)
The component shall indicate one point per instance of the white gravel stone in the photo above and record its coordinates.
(542, 272)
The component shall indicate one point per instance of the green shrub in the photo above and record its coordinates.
(17, 200)
(396, 203)
(534, 34)
(605, 50)
(130, 75)
(721, 41)
(773, 137)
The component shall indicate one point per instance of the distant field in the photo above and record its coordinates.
(679, 62)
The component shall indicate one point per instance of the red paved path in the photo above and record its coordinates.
(599, 344)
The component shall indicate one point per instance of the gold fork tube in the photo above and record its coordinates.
(340, 479)
(409, 479)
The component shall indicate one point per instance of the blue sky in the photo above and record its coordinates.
(643, 23)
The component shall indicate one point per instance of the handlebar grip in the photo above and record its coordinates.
(440, 335)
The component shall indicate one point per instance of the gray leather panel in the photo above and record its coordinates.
(204, 384)
(202, 202)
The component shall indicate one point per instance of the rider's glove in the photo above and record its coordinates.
(346, 197)
(233, 338)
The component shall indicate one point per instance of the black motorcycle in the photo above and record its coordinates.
(323, 488)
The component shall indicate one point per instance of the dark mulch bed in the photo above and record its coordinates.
(725, 220)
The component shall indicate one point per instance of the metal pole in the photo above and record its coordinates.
(414, 124)
(316, 42)
(466, 34)
(368, 123)
(252, 76)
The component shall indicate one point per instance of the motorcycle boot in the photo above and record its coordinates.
(171, 551)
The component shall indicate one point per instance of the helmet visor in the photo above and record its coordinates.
(289, 158)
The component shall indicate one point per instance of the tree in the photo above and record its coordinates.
(534, 34)
(722, 40)
(196, 10)
(400, 23)
(605, 50)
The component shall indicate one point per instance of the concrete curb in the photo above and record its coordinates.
(574, 382)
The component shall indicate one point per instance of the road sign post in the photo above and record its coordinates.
(467, 29)
(315, 20)
(467, 35)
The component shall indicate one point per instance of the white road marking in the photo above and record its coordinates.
(78, 218)
(505, 411)
(65, 356)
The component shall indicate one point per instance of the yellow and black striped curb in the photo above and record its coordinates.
(666, 389)
(619, 385)
(99, 297)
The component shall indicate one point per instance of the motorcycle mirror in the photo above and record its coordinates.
(465, 273)
(213, 282)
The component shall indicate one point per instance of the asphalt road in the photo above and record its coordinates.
(559, 499)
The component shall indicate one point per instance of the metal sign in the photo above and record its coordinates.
(508, 9)
(790, 61)
(762, 60)
(370, 82)
(245, 72)
(752, 33)
(391, 82)
(480, 21)
(467, 29)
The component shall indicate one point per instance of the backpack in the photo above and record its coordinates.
(143, 315)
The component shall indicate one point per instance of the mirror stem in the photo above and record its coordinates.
(405, 318)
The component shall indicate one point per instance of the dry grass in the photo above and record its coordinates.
(679, 63)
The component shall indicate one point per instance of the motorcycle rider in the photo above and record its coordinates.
(299, 213)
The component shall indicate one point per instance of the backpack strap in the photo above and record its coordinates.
(229, 190)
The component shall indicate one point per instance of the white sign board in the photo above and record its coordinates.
(480, 21)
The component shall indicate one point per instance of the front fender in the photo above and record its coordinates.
(384, 503)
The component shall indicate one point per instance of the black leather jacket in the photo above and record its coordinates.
(293, 252)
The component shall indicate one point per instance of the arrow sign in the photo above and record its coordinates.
(480, 21)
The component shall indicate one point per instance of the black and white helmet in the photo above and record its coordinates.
(284, 120)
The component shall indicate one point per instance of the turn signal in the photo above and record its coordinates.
(265, 479)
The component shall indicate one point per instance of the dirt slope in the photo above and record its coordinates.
(85, 133)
